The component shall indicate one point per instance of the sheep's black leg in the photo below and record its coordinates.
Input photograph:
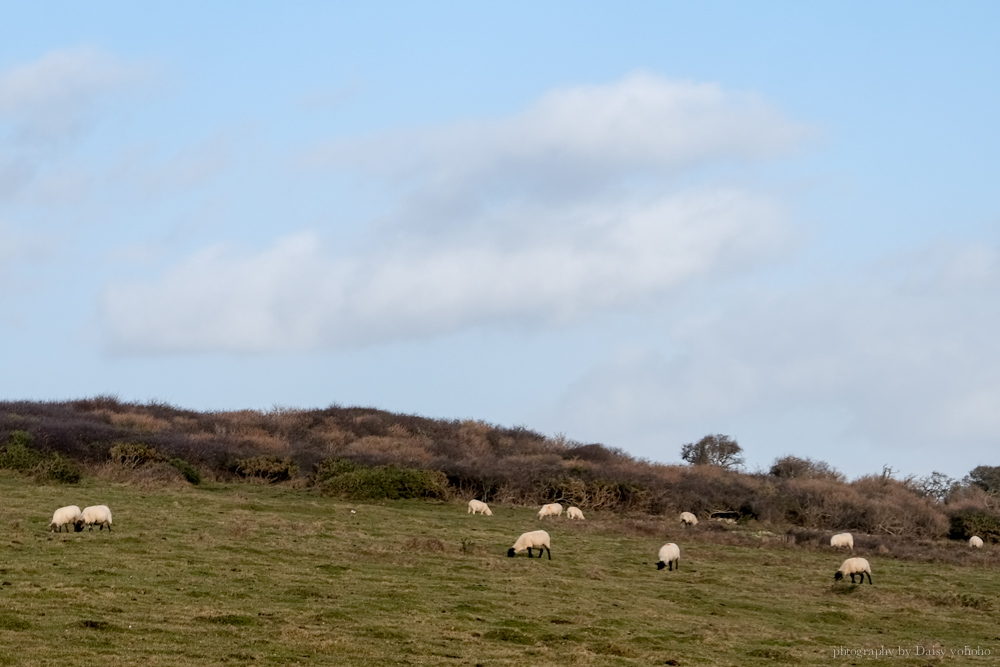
(529, 553)
(550, 553)
(869, 578)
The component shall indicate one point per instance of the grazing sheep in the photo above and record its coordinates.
(670, 555)
(536, 539)
(854, 566)
(574, 513)
(976, 541)
(95, 514)
(64, 516)
(689, 519)
(479, 507)
(552, 509)
(842, 540)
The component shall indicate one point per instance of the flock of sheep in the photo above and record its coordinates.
(670, 554)
(71, 515)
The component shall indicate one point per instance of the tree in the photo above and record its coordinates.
(715, 450)
(936, 485)
(986, 478)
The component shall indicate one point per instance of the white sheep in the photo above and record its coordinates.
(95, 514)
(842, 540)
(976, 541)
(574, 513)
(64, 516)
(689, 519)
(670, 555)
(536, 539)
(552, 509)
(854, 566)
(479, 507)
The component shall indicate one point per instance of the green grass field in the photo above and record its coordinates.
(246, 574)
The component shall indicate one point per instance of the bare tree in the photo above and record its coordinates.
(936, 485)
(716, 450)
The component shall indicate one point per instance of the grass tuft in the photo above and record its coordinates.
(229, 619)
(9, 621)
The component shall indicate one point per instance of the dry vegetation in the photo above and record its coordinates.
(369, 453)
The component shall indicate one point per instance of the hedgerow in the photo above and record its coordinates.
(367, 453)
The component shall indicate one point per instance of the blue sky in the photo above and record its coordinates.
(632, 225)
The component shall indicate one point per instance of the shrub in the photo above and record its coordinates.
(270, 469)
(596, 453)
(19, 454)
(789, 467)
(328, 468)
(388, 482)
(968, 522)
(134, 454)
(190, 473)
(58, 468)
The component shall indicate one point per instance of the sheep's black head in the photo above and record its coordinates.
(838, 576)
(78, 526)
(510, 552)
(660, 565)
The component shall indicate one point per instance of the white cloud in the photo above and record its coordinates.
(51, 98)
(899, 366)
(300, 294)
(543, 219)
(640, 121)
(641, 131)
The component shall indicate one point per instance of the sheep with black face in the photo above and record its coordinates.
(670, 557)
(95, 515)
(536, 539)
(853, 566)
(65, 516)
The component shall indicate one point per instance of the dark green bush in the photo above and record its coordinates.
(134, 454)
(19, 454)
(388, 482)
(969, 522)
(270, 469)
(58, 468)
(190, 473)
(329, 468)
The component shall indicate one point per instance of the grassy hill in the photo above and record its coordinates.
(369, 453)
(255, 574)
